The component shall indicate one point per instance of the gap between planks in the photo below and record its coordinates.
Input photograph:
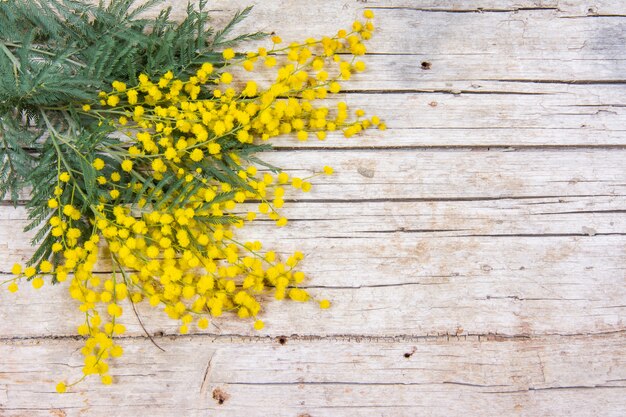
(347, 338)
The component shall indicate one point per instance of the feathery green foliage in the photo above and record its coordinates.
(54, 52)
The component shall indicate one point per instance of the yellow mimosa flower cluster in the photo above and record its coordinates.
(170, 200)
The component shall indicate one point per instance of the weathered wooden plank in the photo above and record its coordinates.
(196, 376)
(389, 174)
(432, 218)
(509, 120)
(564, 115)
(558, 7)
(423, 174)
(566, 110)
(450, 221)
(561, 7)
(526, 31)
(474, 74)
(411, 286)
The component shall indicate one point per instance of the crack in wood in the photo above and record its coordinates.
(444, 199)
(557, 81)
(450, 148)
(236, 338)
(204, 387)
(515, 235)
(569, 387)
(474, 10)
(357, 287)
(452, 91)
(581, 212)
(422, 199)
(592, 15)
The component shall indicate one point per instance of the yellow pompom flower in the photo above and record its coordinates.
(127, 165)
(283, 177)
(45, 266)
(298, 294)
(118, 86)
(113, 101)
(16, 269)
(226, 78)
(64, 177)
(98, 164)
(61, 387)
(264, 208)
(116, 351)
(259, 325)
(228, 54)
(214, 148)
(196, 155)
(37, 283)
(132, 96)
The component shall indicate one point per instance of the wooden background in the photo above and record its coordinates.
(475, 252)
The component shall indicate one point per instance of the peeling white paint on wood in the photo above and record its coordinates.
(475, 252)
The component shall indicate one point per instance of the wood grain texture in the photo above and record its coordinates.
(475, 252)
(234, 376)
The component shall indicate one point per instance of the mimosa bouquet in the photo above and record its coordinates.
(138, 141)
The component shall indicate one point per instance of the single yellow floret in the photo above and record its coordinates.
(226, 78)
(127, 165)
(116, 351)
(228, 53)
(37, 283)
(45, 266)
(113, 101)
(214, 148)
(98, 164)
(196, 155)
